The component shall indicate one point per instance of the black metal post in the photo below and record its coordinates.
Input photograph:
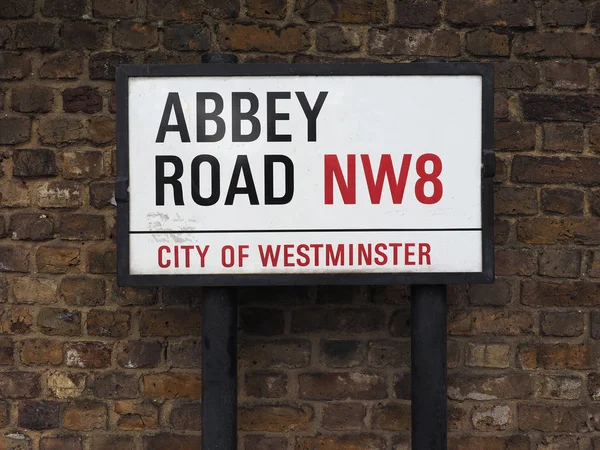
(428, 373)
(219, 369)
(219, 353)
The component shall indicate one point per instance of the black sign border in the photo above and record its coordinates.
(485, 70)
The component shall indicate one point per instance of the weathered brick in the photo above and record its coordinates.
(392, 417)
(560, 263)
(507, 323)
(32, 99)
(186, 415)
(63, 8)
(515, 262)
(344, 416)
(39, 415)
(261, 442)
(344, 320)
(13, 194)
(488, 355)
(171, 441)
(342, 353)
(14, 66)
(563, 137)
(185, 354)
(14, 129)
(102, 66)
(112, 442)
(34, 290)
(567, 324)
(338, 39)
(61, 443)
(61, 131)
(33, 35)
(348, 11)
(83, 291)
(139, 354)
(102, 259)
(172, 385)
(491, 417)
(57, 259)
(593, 264)
(417, 13)
(558, 45)
(128, 296)
(559, 356)
(567, 75)
(547, 107)
(188, 36)
(288, 353)
(14, 258)
(516, 75)
(275, 418)
(344, 442)
(85, 416)
(266, 384)
(501, 13)
(266, 9)
(261, 321)
(31, 226)
(115, 385)
(500, 105)
(59, 322)
(136, 415)
(101, 130)
(84, 34)
(34, 163)
(60, 194)
(170, 322)
(114, 9)
(576, 293)
(41, 352)
(82, 165)
(515, 201)
(388, 353)
(82, 227)
(135, 35)
(65, 65)
(341, 386)
(108, 323)
(15, 319)
(87, 355)
(557, 230)
(66, 385)
(497, 294)
(509, 385)
(487, 43)
(85, 99)
(401, 41)
(516, 442)
(557, 418)
(190, 10)
(19, 384)
(555, 170)
(16, 9)
(7, 358)
(558, 387)
(564, 13)
(514, 136)
(264, 38)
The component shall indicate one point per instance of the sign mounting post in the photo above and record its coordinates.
(232, 175)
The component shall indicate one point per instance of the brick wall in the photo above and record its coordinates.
(85, 364)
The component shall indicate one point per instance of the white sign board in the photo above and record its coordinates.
(285, 175)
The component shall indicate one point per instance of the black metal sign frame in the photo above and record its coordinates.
(125, 278)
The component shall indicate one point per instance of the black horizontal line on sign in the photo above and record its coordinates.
(326, 230)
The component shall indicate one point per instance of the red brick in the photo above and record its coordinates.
(41, 352)
(559, 356)
(348, 11)
(82, 227)
(85, 416)
(487, 43)
(564, 13)
(560, 263)
(32, 99)
(555, 170)
(189, 36)
(59, 322)
(33, 290)
(108, 323)
(501, 13)
(19, 384)
(136, 415)
(83, 291)
(275, 418)
(563, 137)
(516, 75)
(135, 35)
(568, 324)
(400, 41)
(546, 107)
(515, 201)
(391, 417)
(190, 10)
(263, 38)
(569, 75)
(87, 355)
(139, 354)
(65, 65)
(172, 385)
(14, 66)
(341, 386)
(82, 99)
(15, 319)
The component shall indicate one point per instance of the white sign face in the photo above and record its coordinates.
(339, 174)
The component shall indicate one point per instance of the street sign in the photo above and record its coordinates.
(305, 174)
